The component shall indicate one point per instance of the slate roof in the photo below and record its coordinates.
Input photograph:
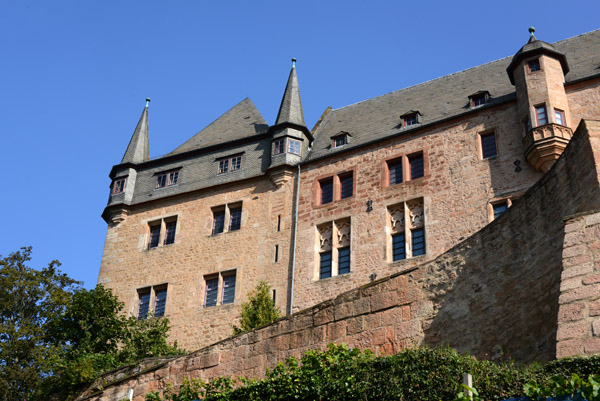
(290, 110)
(138, 150)
(446, 97)
(241, 121)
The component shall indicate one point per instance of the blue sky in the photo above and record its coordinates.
(74, 76)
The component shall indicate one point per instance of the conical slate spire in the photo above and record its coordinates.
(290, 110)
(138, 150)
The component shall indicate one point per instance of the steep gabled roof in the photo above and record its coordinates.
(442, 98)
(241, 121)
(290, 110)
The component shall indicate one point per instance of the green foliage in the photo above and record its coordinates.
(29, 298)
(258, 311)
(561, 386)
(94, 337)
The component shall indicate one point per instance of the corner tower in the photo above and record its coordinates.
(538, 72)
(290, 136)
(124, 175)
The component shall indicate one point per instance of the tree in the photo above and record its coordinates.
(29, 299)
(259, 310)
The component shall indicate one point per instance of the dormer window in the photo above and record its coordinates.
(119, 186)
(479, 98)
(340, 140)
(167, 179)
(410, 118)
(534, 65)
(286, 145)
(230, 164)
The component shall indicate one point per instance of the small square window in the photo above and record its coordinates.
(346, 186)
(218, 222)
(326, 187)
(340, 140)
(416, 166)
(559, 116)
(478, 100)
(154, 236)
(411, 119)
(160, 302)
(278, 146)
(344, 260)
(235, 218)
(143, 303)
(236, 163)
(228, 289)
(534, 65)
(293, 146)
(488, 145)
(499, 208)
(119, 186)
(540, 115)
(210, 294)
(170, 228)
(395, 169)
(223, 166)
(167, 179)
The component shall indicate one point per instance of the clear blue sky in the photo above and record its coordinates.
(74, 76)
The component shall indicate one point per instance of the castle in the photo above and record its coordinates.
(376, 189)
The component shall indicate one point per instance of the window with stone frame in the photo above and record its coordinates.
(406, 226)
(404, 168)
(326, 191)
(498, 207)
(337, 187)
(294, 146)
(279, 146)
(346, 185)
(541, 116)
(167, 179)
(394, 171)
(334, 251)
(417, 165)
(559, 117)
(219, 288)
(534, 65)
(162, 232)
(119, 186)
(227, 218)
(340, 140)
(155, 295)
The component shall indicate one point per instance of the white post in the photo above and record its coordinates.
(468, 381)
(130, 394)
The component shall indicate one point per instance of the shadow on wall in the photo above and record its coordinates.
(496, 294)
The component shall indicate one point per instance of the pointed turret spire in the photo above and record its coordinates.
(290, 110)
(138, 150)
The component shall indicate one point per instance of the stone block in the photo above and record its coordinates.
(384, 300)
(577, 270)
(573, 330)
(592, 279)
(569, 348)
(594, 308)
(591, 345)
(362, 306)
(343, 311)
(336, 330)
(407, 330)
(421, 309)
(323, 316)
(570, 284)
(571, 312)
(355, 325)
(585, 292)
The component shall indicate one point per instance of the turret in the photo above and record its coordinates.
(538, 72)
(124, 175)
(290, 137)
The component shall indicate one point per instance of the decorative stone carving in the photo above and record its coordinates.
(280, 176)
(416, 215)
(343, 233)
(544, 145)
(117, 216)
(325, 235)
(397, 218)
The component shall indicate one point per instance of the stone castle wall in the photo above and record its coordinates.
(510, 290)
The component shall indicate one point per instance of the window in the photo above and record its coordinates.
(479, 98)
(228, 288)
(416, 166)
(338, 187)
(346, 186)
(498, 207)
(527, 125)
(395, 171)
(333, 257)
(534, 65)
(230, 213)
(410, 118)
(235, 218)
(278, 222)
(156, 295)
(154, 236)
(230, 164)
(326, 191)
(540, 115)
(278, 146)
(119, 186)
(276, 253)
(160, 302)
(210, 295)
(559, 117)
(293, 146)
(340, 140)
(143, 303)
(488, 145)
(226, 281)
(162, 232)
(170, 232)
(166, 179)
(406, 225)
